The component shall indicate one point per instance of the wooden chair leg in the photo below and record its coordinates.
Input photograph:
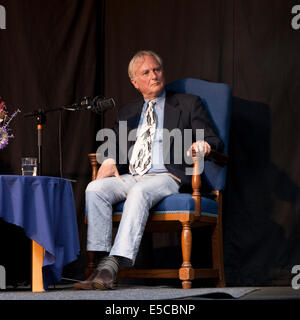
(217, 254)
(186, 272)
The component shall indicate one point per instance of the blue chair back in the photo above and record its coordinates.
(217, 98)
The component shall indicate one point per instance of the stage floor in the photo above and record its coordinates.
(138, 293)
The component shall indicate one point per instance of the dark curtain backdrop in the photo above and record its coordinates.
(251, 46)
(51, 55)
(55, 52)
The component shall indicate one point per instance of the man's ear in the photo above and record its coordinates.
(133, 81)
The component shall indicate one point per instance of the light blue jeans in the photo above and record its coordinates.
(141, 194)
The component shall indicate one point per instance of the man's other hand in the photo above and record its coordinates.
(108, 169)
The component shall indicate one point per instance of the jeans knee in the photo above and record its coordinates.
(96, 191)
(93, 186)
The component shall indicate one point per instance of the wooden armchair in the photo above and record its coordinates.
(185, 211)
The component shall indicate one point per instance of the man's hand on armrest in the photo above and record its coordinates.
(204, 148)
(199, 146)
(108, 169)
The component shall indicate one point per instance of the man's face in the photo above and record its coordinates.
(149, 78)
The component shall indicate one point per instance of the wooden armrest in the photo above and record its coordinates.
(196, 179)
(94, 164)
(196, 185)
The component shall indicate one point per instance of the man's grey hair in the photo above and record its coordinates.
(139, 55)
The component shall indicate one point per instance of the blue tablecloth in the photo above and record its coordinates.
(44, 207)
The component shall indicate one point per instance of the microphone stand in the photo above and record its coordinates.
(40, 116)
(40, 120)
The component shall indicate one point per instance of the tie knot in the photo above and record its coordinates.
(151, 103)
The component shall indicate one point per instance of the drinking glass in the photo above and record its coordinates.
(29, 166)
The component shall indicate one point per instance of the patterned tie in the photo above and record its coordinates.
(140, 161)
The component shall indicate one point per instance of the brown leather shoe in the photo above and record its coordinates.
(87, 284)
(105, 279)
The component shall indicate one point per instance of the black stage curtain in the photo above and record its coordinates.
(55, 52)
(51, 55)
(251, 46)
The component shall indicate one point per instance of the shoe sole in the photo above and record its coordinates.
(100, 286)
(83, 287)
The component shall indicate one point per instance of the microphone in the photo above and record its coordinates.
(98, 104)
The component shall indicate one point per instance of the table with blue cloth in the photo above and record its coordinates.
(44, 207)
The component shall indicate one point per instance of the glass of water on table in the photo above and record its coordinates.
(29, 166)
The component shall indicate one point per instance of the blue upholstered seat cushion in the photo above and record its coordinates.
(179, 203)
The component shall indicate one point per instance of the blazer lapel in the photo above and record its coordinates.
(134, 115)
(171, 113)
(171, 121)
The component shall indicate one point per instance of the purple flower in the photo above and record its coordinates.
(3, 138)
(4, 124)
